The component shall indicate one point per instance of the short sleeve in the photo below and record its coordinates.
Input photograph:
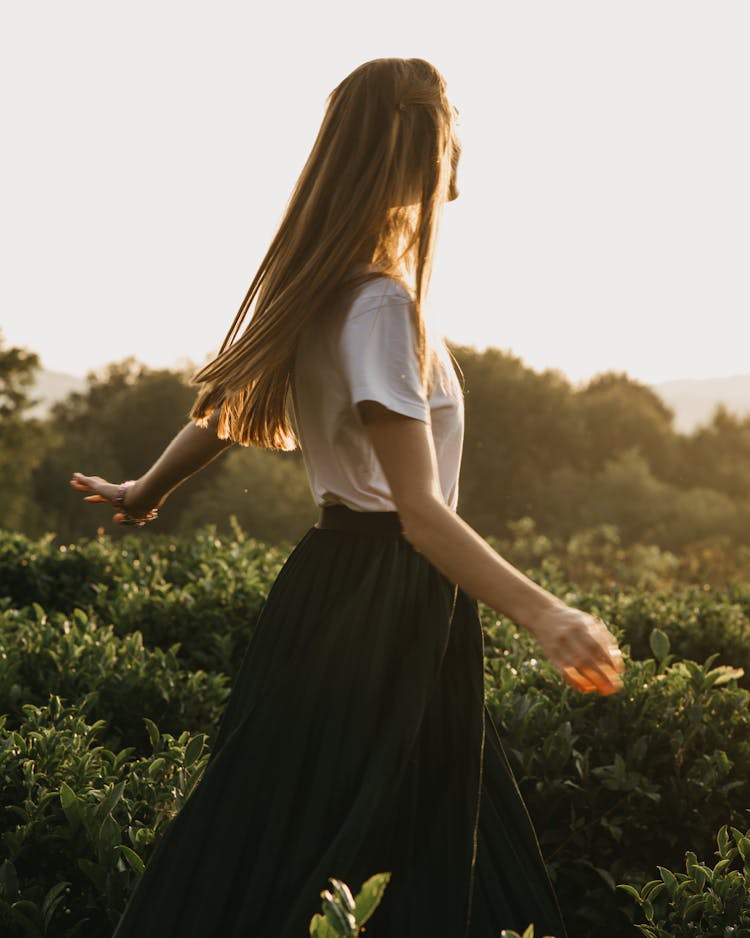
(379, 353)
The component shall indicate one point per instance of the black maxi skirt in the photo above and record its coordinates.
(355, 741)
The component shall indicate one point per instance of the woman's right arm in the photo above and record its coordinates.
(190, 450)
(580, 645)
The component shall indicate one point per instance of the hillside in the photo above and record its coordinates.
(694, 401)
(52, 386)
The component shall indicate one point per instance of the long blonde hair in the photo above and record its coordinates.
(367, 203)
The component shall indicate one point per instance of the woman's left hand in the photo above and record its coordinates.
(103, 492)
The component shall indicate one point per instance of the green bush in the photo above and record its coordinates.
(79, 820)
(615, 785)
(704, 900)
(699, 622)
(204, 592)
(129, 628)
(123, 682)
(342, 914)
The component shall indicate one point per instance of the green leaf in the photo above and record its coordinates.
(109, 837)
(369, 896)
(668, 878)
(51, 901)
(153, 733)
(110, 800)
(721, 866)
(156, 767)
(319, 928)
(724, 674)
(659, 642)
(134, 861)
(631, 891)
(193, 750)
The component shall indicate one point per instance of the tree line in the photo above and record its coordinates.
(570, 457)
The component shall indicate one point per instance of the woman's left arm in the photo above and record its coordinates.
(190, 450)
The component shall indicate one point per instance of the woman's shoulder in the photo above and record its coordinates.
(378, 293)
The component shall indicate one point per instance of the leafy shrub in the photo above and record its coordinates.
(204, 592)
(698, 622)
(615, 785)
(703, 900)
(79, 820)
(344, 915)
(123, 682)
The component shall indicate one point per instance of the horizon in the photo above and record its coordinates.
(186, 365)
(602, 219)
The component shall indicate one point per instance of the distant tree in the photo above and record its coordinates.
(267, 493)
(521, 425)
(645, 509)
(21, 438)
(717, 455)
(620, 415)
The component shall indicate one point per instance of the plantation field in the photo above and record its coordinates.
(117, 657)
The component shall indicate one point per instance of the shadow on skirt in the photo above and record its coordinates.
(355, 741)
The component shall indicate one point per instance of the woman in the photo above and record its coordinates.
(355, 739)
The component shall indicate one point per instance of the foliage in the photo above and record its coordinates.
(170, 590)
(344, 915)
(703, 900)
(80, 820)
(123, 682)
(572, 457)
(21, 439)
(115, 428)
(717, 455)
(616, 786)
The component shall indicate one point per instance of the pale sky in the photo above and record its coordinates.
(149, 149)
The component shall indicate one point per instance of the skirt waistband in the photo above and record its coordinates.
(341, 518)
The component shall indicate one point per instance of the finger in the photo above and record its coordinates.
(81, 486)
(604, 678)
(82, 479)
(577, 680)
(605, 651)
(609, 643)
(96, 498)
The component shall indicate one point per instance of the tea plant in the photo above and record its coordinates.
(703, 900)
(74, 656)
(615, 785)
(79, 820)
(343, 915)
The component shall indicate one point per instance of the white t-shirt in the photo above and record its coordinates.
(374, 359)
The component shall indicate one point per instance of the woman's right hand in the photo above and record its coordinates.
(581, 647)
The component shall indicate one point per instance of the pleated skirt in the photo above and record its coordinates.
(355, 741)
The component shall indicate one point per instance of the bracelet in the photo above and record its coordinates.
(127, 518)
